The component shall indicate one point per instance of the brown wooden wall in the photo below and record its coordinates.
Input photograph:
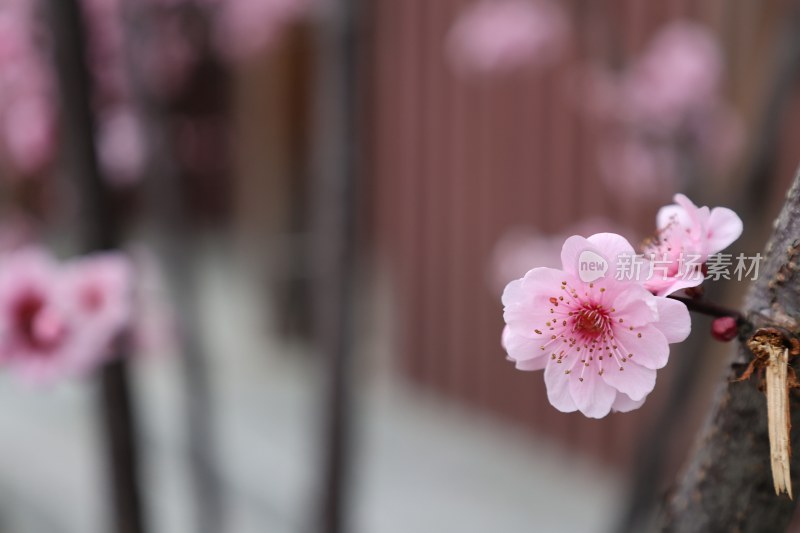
(454, 163)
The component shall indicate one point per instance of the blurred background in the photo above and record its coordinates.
(320, 202)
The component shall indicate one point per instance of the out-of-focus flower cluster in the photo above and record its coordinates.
(28, 119)
(64, 319)
(61, 319)
(167, 51)
(494, 36)
(664, 117)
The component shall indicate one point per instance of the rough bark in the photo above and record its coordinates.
(727, 484)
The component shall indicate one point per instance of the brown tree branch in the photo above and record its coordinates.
(727, 484)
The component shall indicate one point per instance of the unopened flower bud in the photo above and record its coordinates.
(724, 329)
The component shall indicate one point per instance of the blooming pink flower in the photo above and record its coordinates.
(503, 35)
(37, 334)
(687, 236)
(99, 294)
(600, 342)
(59, 320)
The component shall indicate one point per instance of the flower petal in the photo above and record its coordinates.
(665, 287)
(673, 319)
(724, 227)
(557, 384)
(634, 380)
(670, 214)
(526, 352)
(591, 394)
(635, 306)
(624, 404)
(611, 245)
(527, 301)
(647, 344)
(538, 363)
(571, 252)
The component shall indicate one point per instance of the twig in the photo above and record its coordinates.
(710, 309)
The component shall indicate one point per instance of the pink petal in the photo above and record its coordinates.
(557, 384)
(724, 227)
(592, 396)
(608, 245)
(532, 364)
(624, 404)
(665, 287)
(672, 213)
(673, 319)
(526, 352)
(635, 381)
(571, 251)
(636, 306)
(611, 245)
(697, 215)
(527, 303)
(647, 344)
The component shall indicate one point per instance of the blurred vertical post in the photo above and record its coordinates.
(100, 230)
(175, 242)
(335, 209)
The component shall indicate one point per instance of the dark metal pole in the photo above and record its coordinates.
(335, 246)
(100, 231)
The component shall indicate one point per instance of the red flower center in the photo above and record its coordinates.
(38, 329)
(591, 321)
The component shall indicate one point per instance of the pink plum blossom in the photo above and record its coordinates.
(502, 35)
(27, 117)
(38, 337)
(687, 236)
(58, 320)
(599, 343)
(100, 297)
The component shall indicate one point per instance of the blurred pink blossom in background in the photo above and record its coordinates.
(121, 146)
(28, 117)
(494, 36)
(665, 115)
(100, 297)
(680, 74)
(58, 320)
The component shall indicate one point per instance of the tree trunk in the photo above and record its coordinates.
(727, 484)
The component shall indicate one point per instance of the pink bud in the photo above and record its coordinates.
(724, 329)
